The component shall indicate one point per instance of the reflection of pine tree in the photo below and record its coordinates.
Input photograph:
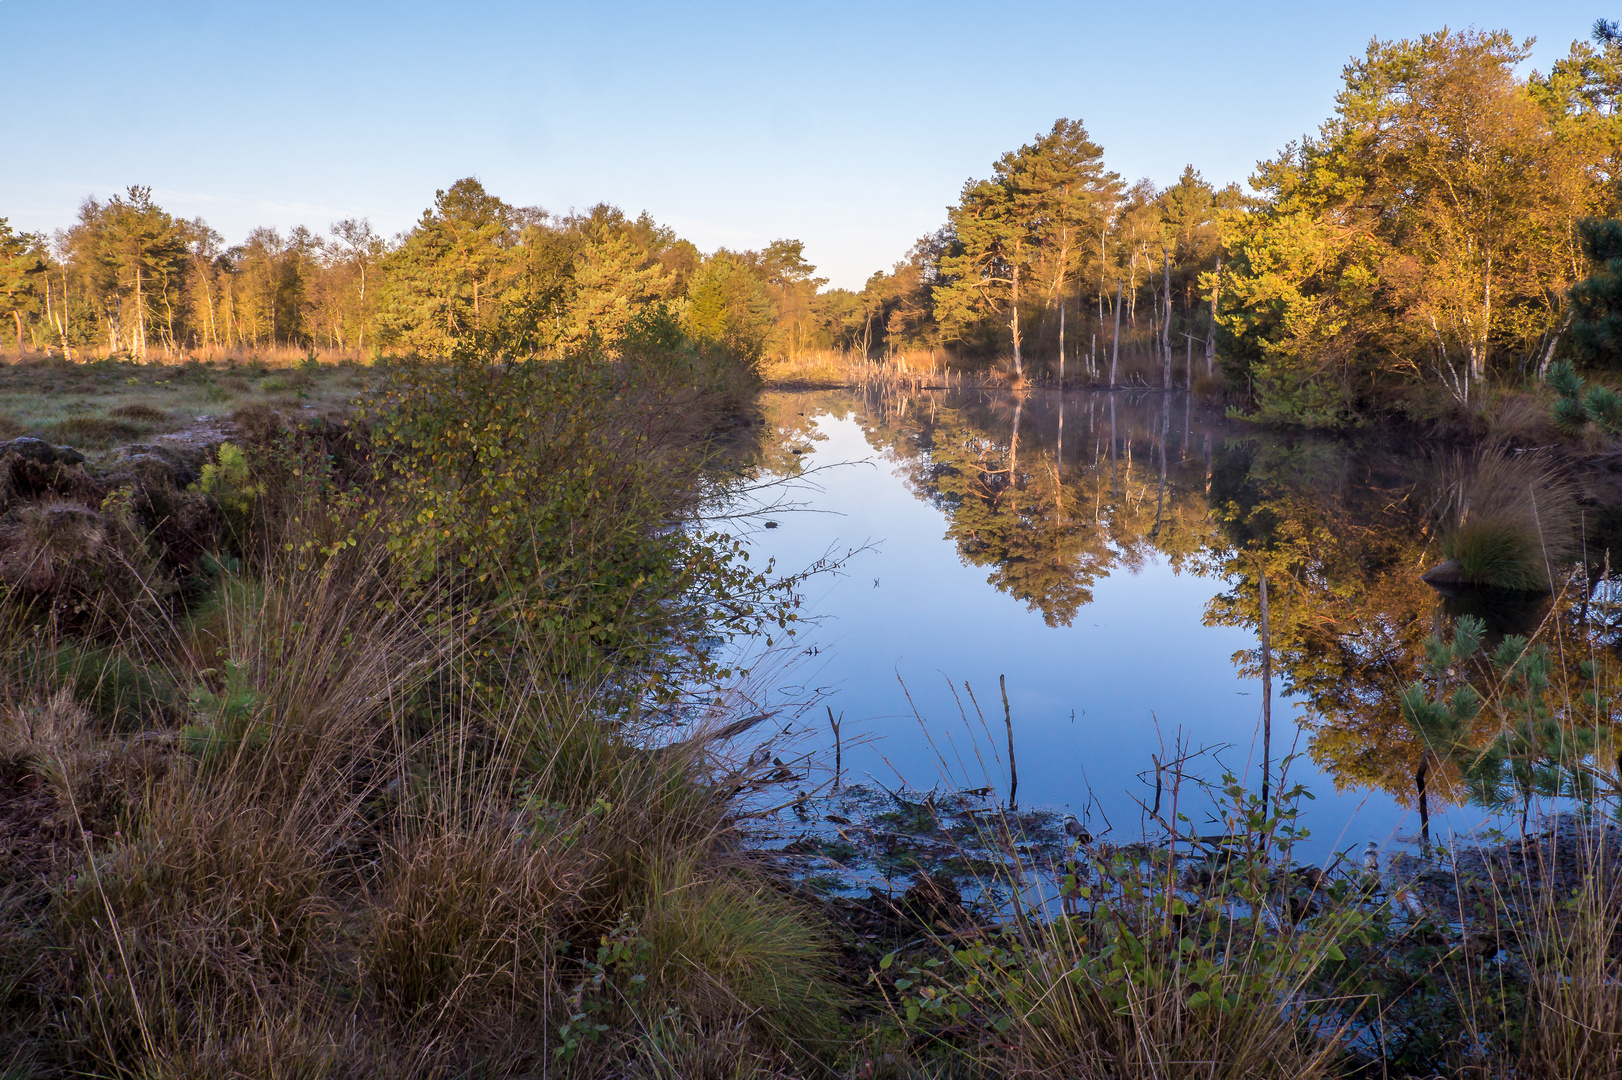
(1047, 528)
(1535, 754)
(1443, 723)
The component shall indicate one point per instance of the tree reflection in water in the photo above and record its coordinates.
(1051, 493)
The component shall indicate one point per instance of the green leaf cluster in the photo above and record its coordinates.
(555, 495)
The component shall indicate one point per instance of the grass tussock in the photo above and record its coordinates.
(1511, 518)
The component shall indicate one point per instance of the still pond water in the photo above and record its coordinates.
(1097, 551)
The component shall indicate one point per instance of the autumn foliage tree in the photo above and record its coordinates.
(1426, 233)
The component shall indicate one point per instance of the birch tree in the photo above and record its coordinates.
(1428, 231)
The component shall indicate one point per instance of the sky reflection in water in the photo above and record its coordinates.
(1091, 701)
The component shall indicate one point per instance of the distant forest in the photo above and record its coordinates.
(1428, 235)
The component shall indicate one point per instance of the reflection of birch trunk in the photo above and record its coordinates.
(1165, 426)
(1013, 442)
(1188, 426)
(1058, 480)
(1114, 490)
(1267, 698)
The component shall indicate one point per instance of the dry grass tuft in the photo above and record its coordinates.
(42, 730)
(140, 413)
(1518, 419)
(1512, 518)
(464, 928)
(93, 432)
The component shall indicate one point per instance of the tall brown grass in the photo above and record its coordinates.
(366, 846)
(269, 355)
(1510, 518)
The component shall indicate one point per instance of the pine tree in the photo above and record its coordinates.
(138, 255)
(1596, 301)
(21, 263)
(1019, 236)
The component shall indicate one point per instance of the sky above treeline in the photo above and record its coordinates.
(849, 126)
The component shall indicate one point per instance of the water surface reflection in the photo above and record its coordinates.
(1104, 553)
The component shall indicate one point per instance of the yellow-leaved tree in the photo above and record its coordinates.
(1427, 232)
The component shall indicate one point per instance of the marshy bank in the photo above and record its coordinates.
(384, 750)
(354, 751)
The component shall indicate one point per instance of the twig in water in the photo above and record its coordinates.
(1013, 770)
(838, 751)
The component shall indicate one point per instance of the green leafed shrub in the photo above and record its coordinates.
(555, 492)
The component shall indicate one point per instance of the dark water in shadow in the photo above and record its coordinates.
(1103, 553)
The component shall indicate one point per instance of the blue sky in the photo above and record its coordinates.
(849, 126)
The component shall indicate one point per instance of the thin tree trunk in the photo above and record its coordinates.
(1061, 345)
(66, 310)
(17, 314)
(1008, 721)
(1165, 321)
(1115, 348)
(362, 320)
(138, 339)
(1132, 297)
(1210, 337)
(839, 764)
(1013, 324)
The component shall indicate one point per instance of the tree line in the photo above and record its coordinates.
(130, 278)
(1444, 229)
(1426, 240)
(1054, 260)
